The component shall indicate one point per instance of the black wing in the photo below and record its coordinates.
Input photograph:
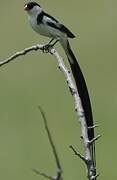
(51, 21)
(52, 18)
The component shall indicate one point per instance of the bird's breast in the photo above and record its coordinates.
(41, 28)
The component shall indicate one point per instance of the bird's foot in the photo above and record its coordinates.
(46, 48)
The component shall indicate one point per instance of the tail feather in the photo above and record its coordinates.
(83, 93)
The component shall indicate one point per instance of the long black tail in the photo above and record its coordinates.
(83, 93)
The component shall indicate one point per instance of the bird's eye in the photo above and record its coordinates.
(29, 6)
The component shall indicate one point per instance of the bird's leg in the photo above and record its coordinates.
(55, 42)
(49, 45)
(50, 40)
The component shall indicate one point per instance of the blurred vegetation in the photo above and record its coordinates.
(35, 80)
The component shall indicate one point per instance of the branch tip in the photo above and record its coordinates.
(42, 174)
(77, 153)
(92, 127)
(50, 139)
(94, 139)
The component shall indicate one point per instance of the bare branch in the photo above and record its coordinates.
(94, 139)
(80, 112)
(8, 60)
(59, 169)
(42, 174)
(78, 108)
(92, 127)
(78, 154)
(21, 53)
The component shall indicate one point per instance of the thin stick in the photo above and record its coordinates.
(78, 154)
(59, 169)
(21, 53)
(50, 138)
(42, 174)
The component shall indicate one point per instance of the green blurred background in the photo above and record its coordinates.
(34, 80)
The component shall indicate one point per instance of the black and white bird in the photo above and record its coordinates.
(46, 25)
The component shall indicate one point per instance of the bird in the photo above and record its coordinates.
(46, 25)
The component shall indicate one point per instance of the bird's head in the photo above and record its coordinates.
(32, 8)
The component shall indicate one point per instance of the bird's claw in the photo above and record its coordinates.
(46, 48)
